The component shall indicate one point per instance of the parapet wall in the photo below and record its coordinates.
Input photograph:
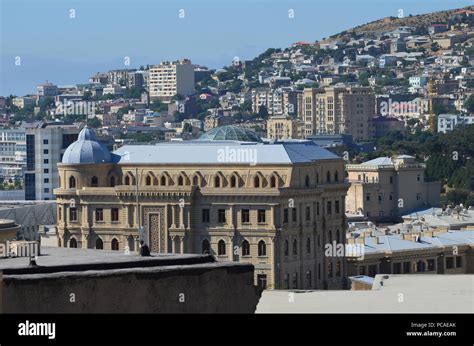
(216, 287)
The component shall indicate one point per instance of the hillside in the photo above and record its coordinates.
(392, 23)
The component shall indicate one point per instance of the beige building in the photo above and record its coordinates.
(171, 78)
(284, 127)
(229, 193)
(339, 110)
(386, 188)
(282, 101)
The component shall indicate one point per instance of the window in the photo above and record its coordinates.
(367, 197)
(114, 214)
(308, 245)
(431, 265)
(336, 176)
(245, 248)
(330, 236)
(390, 197)
(196, 180)
(287, 248)
(308, 214)
(46, 180)
(45, 141)
(338, 235)
(397, 268)
(180, 180)
(372, 270)
(256, 181)
(295, 247)
(115, 244)
(328, 177)
(206, 247)
(46, 161)
(46, 190)
(329, 208)
(233, 181)
(94, 182)
(45, 171)
(217, 181)
(127, 180)
(205, 215)
(391, 180)
(245, 216)
(306, 181)
(418, 177)
(418, 196)
(458, 262)
(73, 243)
(262, 248)
(162, 182)
(380, 198)
(406, 267)
(99, 245)
(338, 268)
(221, 215)
(330, 269)
(45, 151)
(261, 216)
(262, 281)
(148, 180)
(99, 215)
(72, 214)
(221, 248)
(293, 214)
(112, 181)
(273, 181)
(361, 270)
(285, 215)
(317, 208)
(336, 207)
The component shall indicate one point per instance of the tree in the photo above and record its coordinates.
(469, 104)
(262, 112)
(94, 122)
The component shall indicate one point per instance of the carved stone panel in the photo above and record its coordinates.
(156, 227)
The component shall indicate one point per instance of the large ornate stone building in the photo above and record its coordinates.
(274, 205)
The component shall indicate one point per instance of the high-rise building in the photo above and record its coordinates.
(45, 146)
(339, 110)
(171, 78)
(47, 90)
(282, 101)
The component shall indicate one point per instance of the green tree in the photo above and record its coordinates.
(469, 104)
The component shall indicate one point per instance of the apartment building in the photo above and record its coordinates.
(386, 188)
(274, 205)
(171, 78)
(282, 101)
(447, 122)
(45, 145)
(284, 127)
(339, 110)
(47, 90)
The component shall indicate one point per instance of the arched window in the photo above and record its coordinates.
(112, 181)
(287, 248)
(256, 181)
(127, 180)
(262, 248)
(180, 180)
(148, 180)
(206, 247)
(328, 177)
(94, 181)
(99, 244)
(272, 181)
(306, 181)
(233, 181)
(308, 245)
(245, 248)
(217, 181)
(221, 248)
(73, 243)
(295, 247)
(72, 182)
(336, 176)
(115, 244)
(196, 180)
(163, 181)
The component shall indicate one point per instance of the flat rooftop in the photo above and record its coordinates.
(409, 293)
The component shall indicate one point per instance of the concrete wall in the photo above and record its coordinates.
(202, 288)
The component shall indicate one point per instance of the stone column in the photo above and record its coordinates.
(181, 244)
(173, 245)
(181, 216)
(173, 216)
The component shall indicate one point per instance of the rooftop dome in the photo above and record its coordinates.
(230, 133)
(86, 149)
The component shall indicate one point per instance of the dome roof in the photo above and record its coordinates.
(230, 133)
(86, 149)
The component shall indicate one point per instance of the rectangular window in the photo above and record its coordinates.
(449, 262)
(458, 262)
(221, 215)
(46, 180)
(308, 214)
(406, 267)
(261, 216)
(45, 151)
(367, 197)
(397, 268)
(285, 215)
(114, 214)
(30, 152)
(391, 180)
(431, 265)
(46, 190)
(72, 214)
(245, 215)
(293, 215)
(205, 215)
(418, 196)
(99, 215)
(45, 141)
(336, 207)
(329, 208)
(46, 170)
(46, 161)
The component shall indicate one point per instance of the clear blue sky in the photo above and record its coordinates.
(54, 47)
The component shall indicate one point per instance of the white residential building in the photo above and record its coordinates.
(170, 78)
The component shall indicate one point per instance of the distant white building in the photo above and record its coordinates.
(447, 122)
